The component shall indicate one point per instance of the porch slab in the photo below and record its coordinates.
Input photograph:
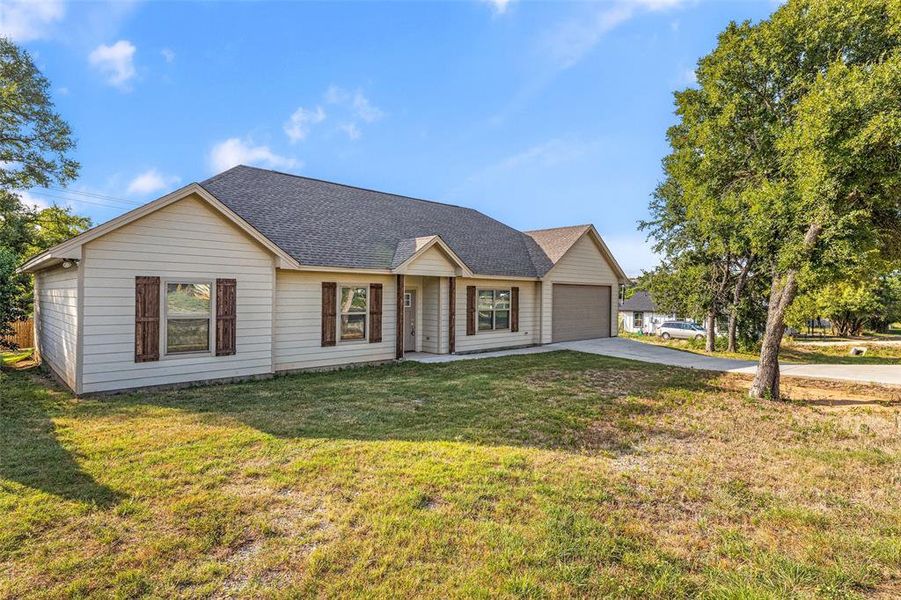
(425, 357)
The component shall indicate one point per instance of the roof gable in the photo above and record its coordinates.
(71, 248)
(411, 250)
(558, 241)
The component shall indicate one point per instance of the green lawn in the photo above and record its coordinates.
(795, 352)
(548, 475)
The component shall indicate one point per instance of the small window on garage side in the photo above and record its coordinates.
(638, 319)
(494, 309)
(352, 311)
(188, 315)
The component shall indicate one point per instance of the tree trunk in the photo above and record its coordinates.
(711, 330)
(766, 382)
(736, 298)
(782, 293)
(733, 328)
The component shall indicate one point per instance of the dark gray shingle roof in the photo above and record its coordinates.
(328, 224)
(640, 301)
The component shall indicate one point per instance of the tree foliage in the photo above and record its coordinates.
(35, 147)
(788, 154)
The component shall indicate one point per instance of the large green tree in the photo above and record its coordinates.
(35, 148)
(793, 136)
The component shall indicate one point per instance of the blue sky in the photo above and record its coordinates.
(538, 114)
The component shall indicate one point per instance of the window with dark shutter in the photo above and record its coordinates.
(470, 310)
(147, 319)
(226, 316)
(514, 309)
(329, 312)
(375, 313)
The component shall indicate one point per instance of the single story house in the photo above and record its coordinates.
(254, 272)
(639, 314)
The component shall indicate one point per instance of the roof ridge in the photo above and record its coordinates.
(582, 225)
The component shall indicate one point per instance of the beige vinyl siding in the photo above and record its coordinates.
(486, 340)
(582, 263)
(186, 240)
(298, 320)
(443, 315)
(56, 321)
(431, 262)
(431, 297)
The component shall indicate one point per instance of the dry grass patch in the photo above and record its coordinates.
(548, 475)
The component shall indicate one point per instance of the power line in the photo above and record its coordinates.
(95, 195)
(79, 200)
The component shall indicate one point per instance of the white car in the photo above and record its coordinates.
(681, 330)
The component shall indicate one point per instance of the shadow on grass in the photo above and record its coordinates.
(31, 454)
(565, 401)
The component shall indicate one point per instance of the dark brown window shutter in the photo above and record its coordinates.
(451, 314)
(226, 316)
(375, 313)
(329, 306)
(470, 310)
(147, 319)
(514, 309)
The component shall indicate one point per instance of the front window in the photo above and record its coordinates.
(494, 309)
(188, 314)
(638, 319)
(352, 312)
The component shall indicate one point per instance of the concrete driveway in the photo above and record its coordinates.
(625, 348)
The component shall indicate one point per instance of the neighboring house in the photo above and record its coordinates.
(253, 272)
(640, 314)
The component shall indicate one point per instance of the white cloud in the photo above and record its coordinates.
(688, 77)
(357, 102)
(571, 40)
(234, 151)
(29, 20)
(548, 154)
(353, 132)
(298, 126)
(32, 200)
(658, 4)
(150, 181)
(336, 95)
(354, 107)
(116, 62)
(500, 6)
(364, 109)
(168, 54)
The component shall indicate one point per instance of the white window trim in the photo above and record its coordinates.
(494, 310)
(338, 313)
(164, 319)
(635, 314)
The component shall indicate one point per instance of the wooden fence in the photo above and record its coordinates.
(22, 336)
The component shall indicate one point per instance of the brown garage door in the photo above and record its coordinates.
(580, 312)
